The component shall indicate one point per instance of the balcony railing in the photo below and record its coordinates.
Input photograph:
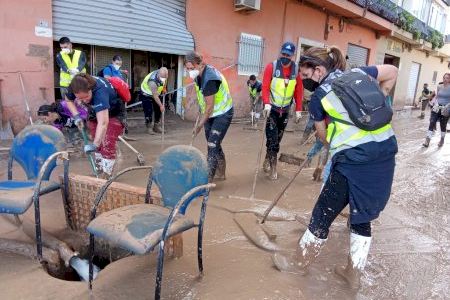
(403, 19)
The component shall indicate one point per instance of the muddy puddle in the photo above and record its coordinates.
(409, 258)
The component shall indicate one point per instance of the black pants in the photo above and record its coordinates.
(215, 130)
(150, 106)
(275, 126)
(434, 117)
(332, 200)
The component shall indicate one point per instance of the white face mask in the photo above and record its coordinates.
(163, 80)
(117, 67)
(66, 50)
(194, 73)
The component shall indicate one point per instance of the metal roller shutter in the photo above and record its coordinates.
(148, 25)
(412, 82)
(357, 56)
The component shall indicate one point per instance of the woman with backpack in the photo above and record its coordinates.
(440, 111)
(363, 161)
(105, 120)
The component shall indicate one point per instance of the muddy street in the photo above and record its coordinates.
(409, 258)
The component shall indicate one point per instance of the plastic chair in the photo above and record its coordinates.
(36, 149)
(181, 173)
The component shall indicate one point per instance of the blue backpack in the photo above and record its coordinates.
(363, 99)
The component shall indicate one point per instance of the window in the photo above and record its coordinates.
(434, 77)
(250, 54)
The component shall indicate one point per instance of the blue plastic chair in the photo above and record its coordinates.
(36, 149)
(181, 174)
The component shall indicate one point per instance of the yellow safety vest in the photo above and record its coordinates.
(281, 94)
(145, 87)
(343, 135)
(252, 92)
(64, 77)
(222, 99)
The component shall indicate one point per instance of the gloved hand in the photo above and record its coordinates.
(89, 148)
(73, 72)
(298, 116)
(267, 109)
(78, 121)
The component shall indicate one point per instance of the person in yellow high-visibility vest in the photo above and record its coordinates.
(152, 88)
(216, 109)
(362, 163)
(70, 63)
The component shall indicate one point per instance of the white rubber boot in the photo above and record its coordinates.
(357, 258)
(309, 248)
(108, 166)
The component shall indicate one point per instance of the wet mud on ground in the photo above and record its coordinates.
(409, 258)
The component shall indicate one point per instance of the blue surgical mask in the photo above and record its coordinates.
(285, 61)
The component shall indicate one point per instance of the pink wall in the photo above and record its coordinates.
(216, 28)
(23, 51)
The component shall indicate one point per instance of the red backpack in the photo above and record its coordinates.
(121, 87)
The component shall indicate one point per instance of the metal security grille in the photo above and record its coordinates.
(357, 56)
(147, 25)
(103, 57)
(250, 54)
(412, 82)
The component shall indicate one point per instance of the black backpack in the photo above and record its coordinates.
(363, 99)
(100, 73)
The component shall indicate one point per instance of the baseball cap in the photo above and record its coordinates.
(288, 48)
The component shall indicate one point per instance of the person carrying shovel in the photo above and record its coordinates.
(105, 120)
(281, 85)
(216, 108)
(254, 90)
(363, 160)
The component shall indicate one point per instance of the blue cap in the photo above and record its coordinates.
(288, 48)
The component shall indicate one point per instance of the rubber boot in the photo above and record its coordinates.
(273, 167)
(148, 125)
(108, 166)
(266, 164)
(422, 115)
(157, 128)
(98, 162)
(427, 142)
(441, 142)
(357, 258)
(308, 250)
(220, 171)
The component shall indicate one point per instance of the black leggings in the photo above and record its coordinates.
(332, 200)
(434, 117)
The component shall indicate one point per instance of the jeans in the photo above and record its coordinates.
(215, 130)
(332, 200)
(275, 126)
(150, 106)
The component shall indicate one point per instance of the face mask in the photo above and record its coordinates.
(310, 84)
(117, 67)
(163, 80)
(194, 73)
(66, 50)
(285, 61)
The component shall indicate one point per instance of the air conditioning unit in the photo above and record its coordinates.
(247, 5)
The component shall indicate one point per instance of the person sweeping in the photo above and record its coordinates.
(282, 84)
(216, 108)
(362, 148)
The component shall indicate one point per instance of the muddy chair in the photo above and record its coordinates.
(36, 149)
(181, 174)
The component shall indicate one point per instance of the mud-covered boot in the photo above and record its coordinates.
(148, 125)
(157, 128)
(357, 258)
(266, 164)
(298, 262)
(273, 168)
(422, 115)
(221, 168)
(441, 142)
(107, 167)
(427, 142)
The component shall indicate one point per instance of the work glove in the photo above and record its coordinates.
(73, 72)
(89, 148)
(78, 121)
(298, 116)
(267, 109)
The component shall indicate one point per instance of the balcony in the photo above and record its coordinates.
(409, 29)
